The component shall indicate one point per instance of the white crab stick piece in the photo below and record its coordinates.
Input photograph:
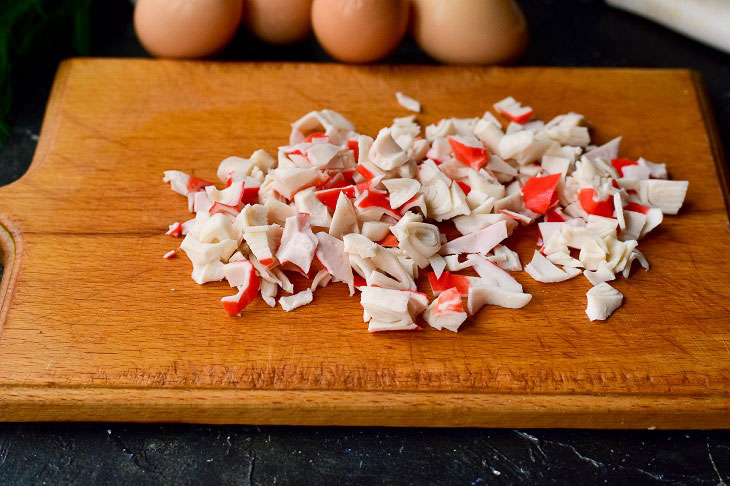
(307, 202)
(336, 127)
(356, 244)
(375, 230)
(602, 301)
(298, 243)
(543, 270)
(385, 152)
(512, 109)
(608, 151)
(419, 240)
(505, 259)
(603, 274)
(663, 194)
(331, 254)
(480, 295)
(291, 302)
(446, 311)
(407, 102)
(386, 309)
(230, 196)
(344, 219)
(482, 241)
(268, 292)
(401, 190)
(182, 183)
(321, 279)
(202, 253)
(289, 180)
(491, 274)
(238, 273)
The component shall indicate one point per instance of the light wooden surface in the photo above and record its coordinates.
(92, 330)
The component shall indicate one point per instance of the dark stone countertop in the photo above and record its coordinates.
(564, 33)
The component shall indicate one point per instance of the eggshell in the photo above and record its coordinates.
(359, 30)
(186, 28)
(470, 31)
(278, 21)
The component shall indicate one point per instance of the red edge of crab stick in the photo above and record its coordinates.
(619, 164)
(234, 304)
(447, 281)
(539, 193)
(196, 184)
(591, 206)
(474, 157)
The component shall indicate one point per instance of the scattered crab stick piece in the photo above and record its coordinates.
(407, 102)
(446, 311)
(169, 255)
(481, 241)
(513, 110)
(291, 302)
(234, 304)
(602, 301)
(471, 153)
(448, 280)
(175, 230)
(539, 193)
(590, 205)
(183, 183)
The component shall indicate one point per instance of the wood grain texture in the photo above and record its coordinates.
(92, 330)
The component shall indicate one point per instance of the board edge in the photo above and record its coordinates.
(713, 135)
(355, 408)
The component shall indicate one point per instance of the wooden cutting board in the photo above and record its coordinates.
(97, 326)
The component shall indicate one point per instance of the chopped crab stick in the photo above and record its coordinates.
(246, 276)
(493, 275)
(470, 152)
(184, 184)
(591, 205)
(230, 196)
(448, 280)
(375, 212)
(291, 302)
(331, 254)
(175, 230)
(446, 311)
(602, 301)
(169, 255)
(480, 295)
(513, 110)
(539, 193)
(543, 270)
(407, 102)
(298, 243)
(482, 241)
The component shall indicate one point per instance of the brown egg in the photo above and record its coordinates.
(278, 21)
(359, 30)
(470, 31)
(186, 28)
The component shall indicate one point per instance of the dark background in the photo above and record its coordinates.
(564, 33)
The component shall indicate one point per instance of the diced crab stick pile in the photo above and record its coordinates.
(338, 206)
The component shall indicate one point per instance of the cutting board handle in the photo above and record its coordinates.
(9, 245)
